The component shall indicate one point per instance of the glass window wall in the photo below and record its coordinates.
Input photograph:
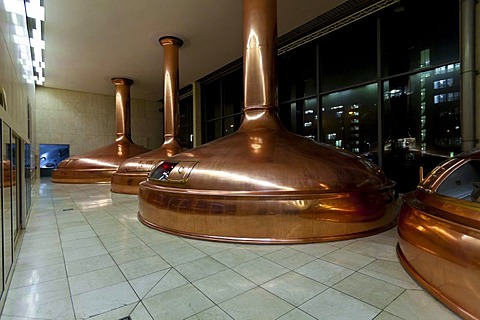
(350, 119)
(297, 76)
(222, 105)
(348, 56)
(421, 129)
(186, 121)
(418, 34)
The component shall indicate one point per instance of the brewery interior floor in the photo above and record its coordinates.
(84, 255)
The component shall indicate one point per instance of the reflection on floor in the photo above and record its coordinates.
(85, 255)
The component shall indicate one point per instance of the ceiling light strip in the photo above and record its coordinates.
(36, 12)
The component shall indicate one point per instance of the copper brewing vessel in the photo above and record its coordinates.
(263, 184)
(439, 234)
(134, 170)
(97, 166)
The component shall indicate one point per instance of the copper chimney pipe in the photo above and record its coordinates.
(97, 166)
(170, 92)
(263, 184)
(135, 170)
(259, 42)
(122, 106)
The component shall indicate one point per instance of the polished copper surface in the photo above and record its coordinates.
(439, 234)
(135, 170)
(97, 166)
(263, 184)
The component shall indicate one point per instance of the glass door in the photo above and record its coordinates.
(7, 186)
(14, 158)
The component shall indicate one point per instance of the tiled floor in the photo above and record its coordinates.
(85, 255)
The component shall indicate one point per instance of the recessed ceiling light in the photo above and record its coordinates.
(35, 18)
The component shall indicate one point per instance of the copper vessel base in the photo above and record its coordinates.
(99, 165)
(127, 183)
(267, 218)
(96, 166)
(439, 246)
(135, 170)
(81, 176)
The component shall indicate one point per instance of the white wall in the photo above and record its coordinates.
(15, 67)
(86, 121)
(18, 92)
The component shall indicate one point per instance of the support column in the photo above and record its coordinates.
(467, 51)
(477, 67)
(197, 115)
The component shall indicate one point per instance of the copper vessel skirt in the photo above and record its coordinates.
(277, 192)
(96, 166)
(135, 170)
(265, 218)
(439, 236)
(127, 183)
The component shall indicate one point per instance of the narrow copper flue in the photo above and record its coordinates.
(263, 184)
(97, 166)
(135, 170)
(259, 60)
(170, 93)
(122, 106)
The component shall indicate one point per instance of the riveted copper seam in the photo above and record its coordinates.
(439, 241)
(263, 184)
(134, 170)
(97, 166)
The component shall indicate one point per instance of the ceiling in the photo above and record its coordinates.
(88, 42)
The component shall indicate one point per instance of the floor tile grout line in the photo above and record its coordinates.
(140, 302)
(170, 269)
(33, 212)
(256, 285)
(71, 296)
(108, 252)
(358, 299)
(131, 228)
(140, 299)
(65, 266)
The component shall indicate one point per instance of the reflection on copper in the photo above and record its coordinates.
(135, 170)
(97, 166)
(9, 174)
(439, 234)
(263, 184)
